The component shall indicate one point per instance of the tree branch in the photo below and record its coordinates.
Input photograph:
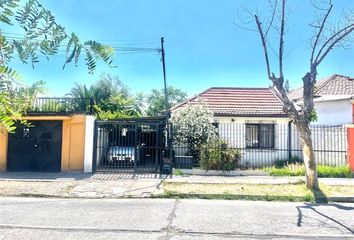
(338, 36)
(320, 32)
(281, 43)
(264, 44)
(272, 18)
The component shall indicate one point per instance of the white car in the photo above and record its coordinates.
(121, 153)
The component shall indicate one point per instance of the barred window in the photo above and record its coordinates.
(259, 135)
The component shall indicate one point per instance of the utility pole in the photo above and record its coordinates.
(164, 75)
(167, 166)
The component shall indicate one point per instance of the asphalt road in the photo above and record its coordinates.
(30, 218)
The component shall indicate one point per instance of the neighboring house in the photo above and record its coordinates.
(334, 100)
(253, 120)
(60, 138)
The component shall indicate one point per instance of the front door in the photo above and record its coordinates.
(36, 148)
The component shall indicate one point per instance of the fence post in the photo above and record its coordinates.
(289, 140)
(94, 155)
(170, 142)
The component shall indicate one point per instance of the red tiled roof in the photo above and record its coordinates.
(333, 85)
(239, 101)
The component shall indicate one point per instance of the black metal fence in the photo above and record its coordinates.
(53, 105)
(264, 144)
(130, 145)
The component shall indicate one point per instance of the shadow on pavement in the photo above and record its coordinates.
(314, 207)
(320, 197)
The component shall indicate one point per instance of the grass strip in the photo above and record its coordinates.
(323, 171)
(175, 195)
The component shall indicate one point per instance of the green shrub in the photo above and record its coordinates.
(178, 172)
(216, 155)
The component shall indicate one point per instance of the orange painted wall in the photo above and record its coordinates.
(3, 149)
(73, 142)
(350, 136)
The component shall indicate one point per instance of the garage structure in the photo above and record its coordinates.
(54, 140)
(131, 145)
(36, 147)
(62, 137)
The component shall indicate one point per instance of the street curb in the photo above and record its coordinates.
(229, 197)
(266, 198)
(341, 199)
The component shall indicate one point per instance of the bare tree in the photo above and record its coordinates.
(326, 37)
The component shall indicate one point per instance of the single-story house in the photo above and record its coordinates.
(334, 99)
(253, 120)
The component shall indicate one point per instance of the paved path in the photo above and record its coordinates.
(253, 179)
(30, 218)
(113, 185)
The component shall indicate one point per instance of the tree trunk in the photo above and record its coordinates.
(309, 157)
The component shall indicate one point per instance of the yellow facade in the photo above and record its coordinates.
(73, 142)
(3, 149)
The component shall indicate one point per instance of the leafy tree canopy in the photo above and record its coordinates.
(156, 99)
(41, 36)
(112, 98)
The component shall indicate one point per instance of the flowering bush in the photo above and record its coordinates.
(193, 127)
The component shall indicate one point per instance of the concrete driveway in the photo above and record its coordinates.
(30, 218)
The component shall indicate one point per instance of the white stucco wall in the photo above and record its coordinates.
(334, 112)
(233, 130)
(89, 135)
(329, 142)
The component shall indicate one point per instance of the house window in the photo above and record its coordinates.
(259, 135)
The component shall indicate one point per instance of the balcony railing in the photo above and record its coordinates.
(65, 105)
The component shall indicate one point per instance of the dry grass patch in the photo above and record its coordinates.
(338, 190)
(238, 189)
(281, 192)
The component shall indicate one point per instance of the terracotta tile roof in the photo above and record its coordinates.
(333, 85)
(239, 101)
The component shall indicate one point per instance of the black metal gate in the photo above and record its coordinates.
(130, 145)
(36, 147)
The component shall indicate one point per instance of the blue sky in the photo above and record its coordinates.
(203, 46)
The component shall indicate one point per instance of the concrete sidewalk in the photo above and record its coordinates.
(116, 185)
(98, 185)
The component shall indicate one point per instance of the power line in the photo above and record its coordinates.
(18, 36)
(116, 47)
